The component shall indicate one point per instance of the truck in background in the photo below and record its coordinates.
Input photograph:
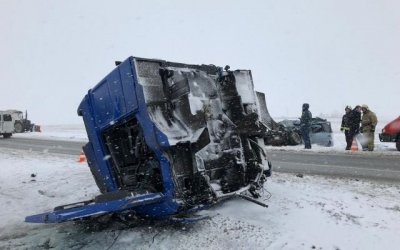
(391, 132)
(21, 124)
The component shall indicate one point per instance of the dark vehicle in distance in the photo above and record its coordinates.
(282, 135)
(288, 132)
(391, 132)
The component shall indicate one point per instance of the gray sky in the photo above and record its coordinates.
(327, 53)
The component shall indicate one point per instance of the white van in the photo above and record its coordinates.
(6, 124)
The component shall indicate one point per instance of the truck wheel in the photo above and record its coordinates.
(18, 127)
(398, 144)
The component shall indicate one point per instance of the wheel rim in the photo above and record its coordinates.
(18, 127)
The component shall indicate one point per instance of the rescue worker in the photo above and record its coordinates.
(305, 124)
(368, 124)
(355, 119)
(346, 127)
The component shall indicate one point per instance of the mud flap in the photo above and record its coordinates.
(90, 208)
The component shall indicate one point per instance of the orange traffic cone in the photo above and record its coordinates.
(82, 157)
(354, 146)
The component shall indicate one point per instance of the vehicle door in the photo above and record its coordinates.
(8, 124)
(1, 123)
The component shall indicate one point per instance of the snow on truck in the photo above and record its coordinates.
(391, 132)
(167, 139)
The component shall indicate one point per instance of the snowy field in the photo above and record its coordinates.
(71, 132)
(304, 213)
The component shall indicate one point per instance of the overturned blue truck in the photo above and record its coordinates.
(167, 139)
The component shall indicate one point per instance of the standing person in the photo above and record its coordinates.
(368, 124)
(305, 124)
(346, 126)
(355, 119)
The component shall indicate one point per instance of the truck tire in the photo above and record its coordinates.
(18, 127)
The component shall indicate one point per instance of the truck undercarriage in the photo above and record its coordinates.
(166, 138)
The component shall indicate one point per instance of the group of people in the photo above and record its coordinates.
(351, 126)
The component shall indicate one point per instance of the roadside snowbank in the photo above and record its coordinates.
(304, 213)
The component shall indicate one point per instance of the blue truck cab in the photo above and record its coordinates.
(169, 138)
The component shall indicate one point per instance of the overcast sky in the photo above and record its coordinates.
(327, 53)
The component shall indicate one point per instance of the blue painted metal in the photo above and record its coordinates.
(122, 101)
(82, 211)
(155, 139)
(116, 97)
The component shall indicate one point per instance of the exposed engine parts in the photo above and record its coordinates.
(166, 138)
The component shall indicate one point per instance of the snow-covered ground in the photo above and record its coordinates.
(70, 132)
(304, 213)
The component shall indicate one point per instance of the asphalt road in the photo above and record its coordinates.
(355, 165)
(360, 165)
(39, 145)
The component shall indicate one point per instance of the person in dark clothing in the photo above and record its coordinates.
(305, 122)
(346, 127)
(355, 119)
